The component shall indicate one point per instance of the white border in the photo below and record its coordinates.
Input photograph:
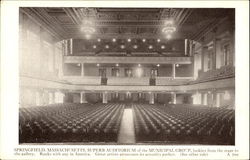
(9, 72)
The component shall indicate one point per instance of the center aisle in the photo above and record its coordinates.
(127, 131)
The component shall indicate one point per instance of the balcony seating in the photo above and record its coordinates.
(184, 124)
(221, 73)
(70, 123)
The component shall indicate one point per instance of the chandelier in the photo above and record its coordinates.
(87, 24)
(87, 28)
(169, 28)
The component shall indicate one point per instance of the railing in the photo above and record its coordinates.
(96, 80)
(162, 81)
(128, 81)
(88, 80)
(127, 60)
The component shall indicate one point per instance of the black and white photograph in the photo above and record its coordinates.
(127, 75)
(124, 80)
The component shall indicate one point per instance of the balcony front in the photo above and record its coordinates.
(127, 74)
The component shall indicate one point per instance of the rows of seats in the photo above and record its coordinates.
(184, 124)
(70, 123)
(223, 72)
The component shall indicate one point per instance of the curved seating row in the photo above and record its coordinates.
(197, 125)
(76, 123)
(223, 72)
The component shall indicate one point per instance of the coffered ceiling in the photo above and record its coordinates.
(123, 23)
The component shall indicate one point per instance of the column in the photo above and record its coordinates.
(83, 97)
(217, 101)
(203, 51)
(197, 97)
(191, 47)
(71, 46)
(151, 98)
(59, 96)
(213, 99)
(38, 98)
(186, 47)
(51, 97)
(214, 54)
(173, 71)
(66, 47)
(82, 69)
(205, 98)
(104, 97)
(45, 97)
(202, 98)
(209, 99)
(173, 97)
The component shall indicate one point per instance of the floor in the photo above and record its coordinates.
(127, 130)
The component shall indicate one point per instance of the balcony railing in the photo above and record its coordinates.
(128, 80)
(123, 81)
(169, 81)
(86, 80)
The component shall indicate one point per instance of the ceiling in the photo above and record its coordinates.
(123, 23)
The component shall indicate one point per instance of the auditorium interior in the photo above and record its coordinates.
(126, 76)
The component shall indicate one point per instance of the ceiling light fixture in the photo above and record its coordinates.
(150, 46)
(99, 40)
(87, 24)
(122, 46)
(162, 47)
(87, 28)
(94, 46)
(107, 46)
(169, 36)
(158, 65)
(129, 40)
(114, 40)
(135, 46)
(143, 40)
(169, 22)
(169, 28)
(158, 40)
